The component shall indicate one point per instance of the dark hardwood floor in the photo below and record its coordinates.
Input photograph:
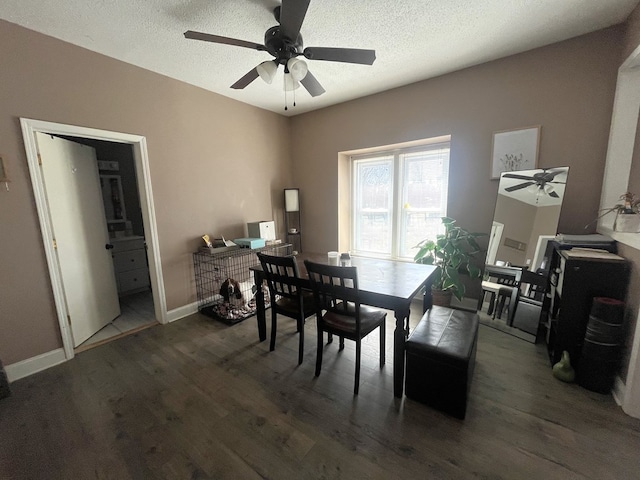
(197, 399)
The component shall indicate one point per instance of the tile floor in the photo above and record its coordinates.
(136, 311)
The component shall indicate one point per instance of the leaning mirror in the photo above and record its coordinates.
(525, 219)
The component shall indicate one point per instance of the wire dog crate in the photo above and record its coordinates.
(225, 287)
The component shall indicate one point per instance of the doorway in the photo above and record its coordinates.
(123, 218)
(494, 242)
(137, 144)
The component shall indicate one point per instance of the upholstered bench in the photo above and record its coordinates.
(441, 353)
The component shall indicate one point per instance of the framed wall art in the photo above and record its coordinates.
(515, 150)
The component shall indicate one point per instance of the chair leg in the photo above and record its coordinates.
(319, 351)
(274, 321)
(329, 338)
(383, 333)
(300, 339)
(358, 352)
(341, 344)
(492, 303)
(500, 308)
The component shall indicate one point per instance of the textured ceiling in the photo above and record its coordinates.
(413, 39)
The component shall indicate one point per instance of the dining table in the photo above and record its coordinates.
(387, 284)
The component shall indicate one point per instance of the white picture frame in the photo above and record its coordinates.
(514, 150)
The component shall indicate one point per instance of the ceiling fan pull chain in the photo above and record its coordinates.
(285, 100)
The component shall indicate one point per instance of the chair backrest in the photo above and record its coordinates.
(504, 275)
(282, 275)
(335, 289)
(538, 284)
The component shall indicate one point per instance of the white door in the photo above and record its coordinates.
(72, 185)
(494, 242)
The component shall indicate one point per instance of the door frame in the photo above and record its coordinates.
(143, 179)
(492, 249)
(624, 122)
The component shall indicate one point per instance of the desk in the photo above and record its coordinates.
(383, 284)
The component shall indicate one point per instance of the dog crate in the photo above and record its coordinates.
(220, 275)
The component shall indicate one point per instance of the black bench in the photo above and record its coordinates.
(441, 353)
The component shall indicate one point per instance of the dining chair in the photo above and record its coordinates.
(287, 297)
(531, 303)
(503, 283)
(335, 290)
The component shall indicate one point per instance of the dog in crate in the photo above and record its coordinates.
(236, 293)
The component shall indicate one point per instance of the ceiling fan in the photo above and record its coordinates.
(284, 43)
(539, 182)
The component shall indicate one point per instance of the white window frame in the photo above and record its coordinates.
(397, 205)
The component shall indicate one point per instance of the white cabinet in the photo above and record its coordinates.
(130, 264)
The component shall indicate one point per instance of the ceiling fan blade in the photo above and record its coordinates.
(207, 37)
(347, 55)
(519, 177)
(312, 85)
(518, 187)
(292, 15)
(553, 194)
(246, 80)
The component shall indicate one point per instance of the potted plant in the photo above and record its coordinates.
(453, 252)
(627, 213)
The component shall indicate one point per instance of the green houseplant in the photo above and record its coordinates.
(453, 252)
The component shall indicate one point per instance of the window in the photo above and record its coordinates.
(398, 199)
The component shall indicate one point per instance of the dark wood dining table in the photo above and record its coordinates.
(387, 284)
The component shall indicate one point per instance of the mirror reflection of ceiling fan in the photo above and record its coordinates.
(284, 43)
(540, 182)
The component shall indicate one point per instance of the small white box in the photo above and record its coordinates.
(264, 229)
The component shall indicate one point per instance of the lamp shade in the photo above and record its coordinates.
(297, 68)
(267, 70)
(291, 200)
(290, 83)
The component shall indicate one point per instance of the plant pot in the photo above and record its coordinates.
(442, 298)
(627, 222)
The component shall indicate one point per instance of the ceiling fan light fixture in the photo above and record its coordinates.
(297, 68)
(284, 43)
(533, 188)
(267, 70)
(290, 83)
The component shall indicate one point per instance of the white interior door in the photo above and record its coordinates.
(494, 242)
(72, 185)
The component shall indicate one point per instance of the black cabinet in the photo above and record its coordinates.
(576, 277)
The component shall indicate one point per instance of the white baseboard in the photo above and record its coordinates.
(618, 390)
(32, 365)
(36, 364)
(181, 312)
